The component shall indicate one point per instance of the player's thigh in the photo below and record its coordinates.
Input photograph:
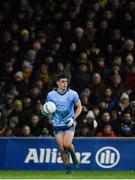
(60, 140)
(68, 138)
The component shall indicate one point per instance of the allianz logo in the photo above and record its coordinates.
(107, 157)
(52, 155)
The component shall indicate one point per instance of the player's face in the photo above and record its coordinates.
(62, 84)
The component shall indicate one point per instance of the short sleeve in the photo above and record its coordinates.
(48, 98)
(76, 97)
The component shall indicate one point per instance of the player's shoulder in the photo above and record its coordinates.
(51, 92)
(72, 91)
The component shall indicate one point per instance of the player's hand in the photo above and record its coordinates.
(45, 114)
(42, 112)
(70, 122)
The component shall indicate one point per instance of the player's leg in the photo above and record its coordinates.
(63, 152)
(68, 138)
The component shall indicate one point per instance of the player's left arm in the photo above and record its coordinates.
(76, 114)
(78, 109)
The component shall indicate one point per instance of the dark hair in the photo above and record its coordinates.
(61, 76)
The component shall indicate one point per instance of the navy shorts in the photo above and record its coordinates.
(62, 129)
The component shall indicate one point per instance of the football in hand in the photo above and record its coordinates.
(49, 107)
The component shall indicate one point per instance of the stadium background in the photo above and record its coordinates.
(92, 41)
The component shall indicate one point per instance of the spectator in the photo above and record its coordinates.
(79, 39)
(27, 72)
(128, 48)
(27, 106)
(25, 40)
(7, 105)
(105, 120)
(36, 125)
(25, 131)
(127, 126)
(19, 83)
(102, 36)
(7, 73)
(97, 86)
(100, 67)
(132, 110)
(130, 78)
(108, 98)
(18, 113)
(107, 132)
(82, 77)
(123, 104)
(89, 31)
(117, 85)
(13, 127)
(91, 123)
(117, 41)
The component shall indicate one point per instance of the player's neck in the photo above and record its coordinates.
(61, 91)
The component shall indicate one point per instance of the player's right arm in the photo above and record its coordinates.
(42, 111)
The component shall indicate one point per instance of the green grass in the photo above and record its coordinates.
(63, 175)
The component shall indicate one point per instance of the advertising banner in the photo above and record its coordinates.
(43, 154)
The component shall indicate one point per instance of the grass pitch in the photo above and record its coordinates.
(63, 175)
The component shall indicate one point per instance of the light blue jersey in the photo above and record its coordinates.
(64, 106)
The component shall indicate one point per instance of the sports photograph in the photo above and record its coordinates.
(67, 89)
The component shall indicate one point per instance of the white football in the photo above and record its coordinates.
(49, 107)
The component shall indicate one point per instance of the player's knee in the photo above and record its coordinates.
(67, 145)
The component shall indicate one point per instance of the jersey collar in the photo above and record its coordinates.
(62, 93)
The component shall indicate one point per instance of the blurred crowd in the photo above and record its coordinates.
(91, 40)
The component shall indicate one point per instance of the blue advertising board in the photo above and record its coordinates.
(43, 154)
